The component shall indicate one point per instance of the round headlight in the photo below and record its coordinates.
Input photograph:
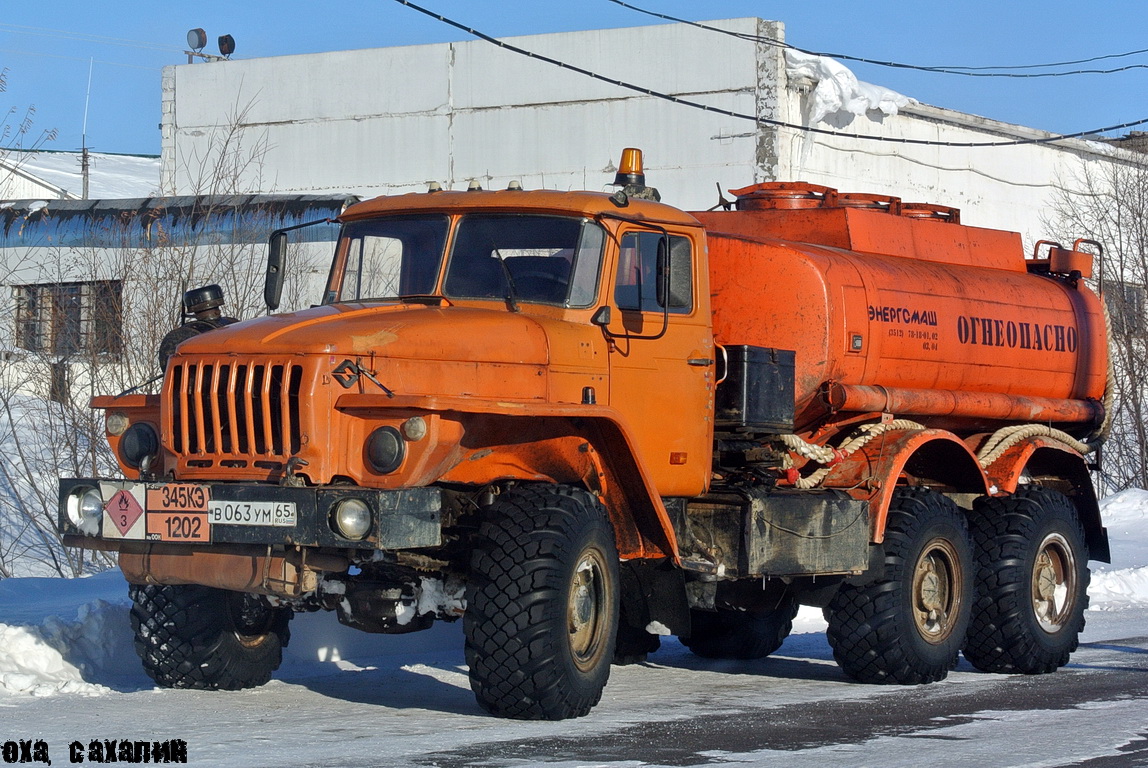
(139, 441)
(352, 519)
(85, 507)
(385, 450)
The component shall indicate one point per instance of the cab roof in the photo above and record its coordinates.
(589, 204)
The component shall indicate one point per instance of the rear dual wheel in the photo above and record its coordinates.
(1031, 585)
(908, 626)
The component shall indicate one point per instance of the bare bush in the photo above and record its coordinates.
(87, 317)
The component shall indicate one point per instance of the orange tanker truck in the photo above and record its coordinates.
(580, 421)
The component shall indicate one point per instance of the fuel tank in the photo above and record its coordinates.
(900, 308)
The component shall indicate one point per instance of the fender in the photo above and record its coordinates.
(935, 456)
(1047, 459)
(547, 442)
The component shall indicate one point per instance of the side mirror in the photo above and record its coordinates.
(602, 317)
(276, 262)
(673, 272)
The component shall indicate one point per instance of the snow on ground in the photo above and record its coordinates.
(68, 670)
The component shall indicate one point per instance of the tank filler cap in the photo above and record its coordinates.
(784, 195)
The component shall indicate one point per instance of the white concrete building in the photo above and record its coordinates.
(313, 129)
(389, 120)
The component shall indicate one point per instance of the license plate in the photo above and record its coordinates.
(178, 497)
(178, 526)
(268, 513)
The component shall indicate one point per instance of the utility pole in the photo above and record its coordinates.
(85, 165)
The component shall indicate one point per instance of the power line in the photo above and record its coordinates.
(965, 71)
(755, 118)
(87, 37)
(77, 58)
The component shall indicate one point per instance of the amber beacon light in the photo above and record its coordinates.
(630, 168)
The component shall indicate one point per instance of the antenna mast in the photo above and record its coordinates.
(84, 164)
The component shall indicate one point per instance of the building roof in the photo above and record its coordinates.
(59, 174)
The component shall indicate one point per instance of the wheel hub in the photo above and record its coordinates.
(936, 591)
(251, 619)
(1053, 583)
(585, 611)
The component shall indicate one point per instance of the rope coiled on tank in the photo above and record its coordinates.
(823, 454)
(1006, 438)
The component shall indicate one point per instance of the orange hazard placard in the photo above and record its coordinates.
(178, 526)
(177, 497)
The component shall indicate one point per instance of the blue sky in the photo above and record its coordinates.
(46, 49)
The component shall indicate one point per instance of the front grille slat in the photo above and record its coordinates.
(219, 415)
(177, 411)
(233, 444)
(197, 406)
(268, 409)
(239, 412)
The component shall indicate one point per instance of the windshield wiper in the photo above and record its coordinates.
(511, 291)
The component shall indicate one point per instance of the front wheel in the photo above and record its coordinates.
(190, 636)
(542, 604)
(908, 626)
(1032, 581)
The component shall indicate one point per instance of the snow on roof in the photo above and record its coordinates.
(110, 176)
(839, 96)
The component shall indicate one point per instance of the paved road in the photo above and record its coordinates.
(1094, 713)
(795, 709)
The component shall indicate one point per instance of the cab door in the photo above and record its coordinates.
(661, 363)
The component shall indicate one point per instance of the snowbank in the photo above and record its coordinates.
(91, 653)
(61, 656)
(839, 96)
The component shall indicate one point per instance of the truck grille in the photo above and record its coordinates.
(234, 409)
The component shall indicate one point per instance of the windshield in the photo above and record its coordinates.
(540, 259)
(390, 257)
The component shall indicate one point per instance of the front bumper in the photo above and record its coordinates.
(203, 514)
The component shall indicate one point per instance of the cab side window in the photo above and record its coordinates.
(636, 287)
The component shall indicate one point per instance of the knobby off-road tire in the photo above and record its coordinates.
(908, 626)
(1031, 582)
(729, 634)
(542, 604)
(189, 636)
